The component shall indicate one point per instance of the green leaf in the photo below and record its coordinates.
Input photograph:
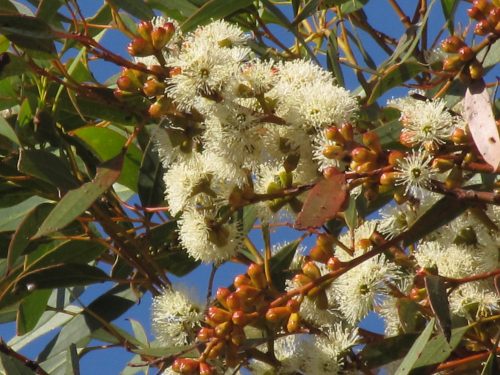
(12, 65)
(449, 7)
(439, 214)
(77, 201)
(70, 251)
(139, 9)
(12, 366)
(351, 213)
(106, 144)
(333, 55)
(416, 350)
(214, 9)
(151, 187)
(280, 263)
(394, 76)
(436, 291)
(61, 276)
(10, 217)
(350, 6)
(438, 349)
(108, 307)
(309, 8)
(389, 134)
(249, 218)
(28, 32)
(409, 315)
(387, 350)
(139, 332)
(30, 310)
(47, 167)
(185, 7)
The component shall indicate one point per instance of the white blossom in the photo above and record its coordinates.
(414, 172)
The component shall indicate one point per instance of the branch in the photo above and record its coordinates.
(466, 195)
(32, 365)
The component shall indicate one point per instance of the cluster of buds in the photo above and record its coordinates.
(487, 15)
(246, 303)
(343, 139)
(151, 39)
(461, 58)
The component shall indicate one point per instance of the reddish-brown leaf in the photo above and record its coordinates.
(323, 202)
(479, 115)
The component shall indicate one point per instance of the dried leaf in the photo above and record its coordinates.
(323, 202)
(479, 115)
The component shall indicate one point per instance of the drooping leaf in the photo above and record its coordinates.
(280, 263)
(439, 214)
(10, 217)
(449, 7)
(108, 307)
(333, 58)
(388, 350)
(214, 9)
(323, 202)
(78, 200)
(439, 348)
(416, 350)
(139, 9)
(106, 144)
(436, 291)
(30, 310)
(27, 32)
(47, 167)
(479, 115)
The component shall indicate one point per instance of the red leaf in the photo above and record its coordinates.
(323, 202)
(479, 115)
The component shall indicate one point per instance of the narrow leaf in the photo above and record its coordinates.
(479, 115)
(139, 332)
(214, 9)
(27, 32)
(75, 202)
(333, 58)
(150, 183)
(280, 263)
(7, 131)
(72, 364)
(139, 9)
(448, 7)
(12, 366)
(415, 351)
(323, 202)
(30, 310)
(436, 290)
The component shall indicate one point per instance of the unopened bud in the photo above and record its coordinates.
(476, 69)
(483, 27)
(388, 178)
(455, 178)
(206, 369)
(277, 314)
(483, 5)
(241, 280)
(333, 152)
(466, 53)
(442, 165)
(320, 254)
(293, 323)
(458, 136)
(362, 155)
(372, 141)
(347, 131)
(216, 350)
(334, 264)
(218, 315)
(333, 134)
(185, 365)
(222, 329)
(140, 47)
(257, 275)
(241, 318)
(311, 270)
(205, 334)
(153, 87)
(237, 336)
(475, 13)
(452, 44)
(293, 305)
(395, 157)
(452, 63)
(144, 29)
(160, 36)
(301, 279)
(160, 108)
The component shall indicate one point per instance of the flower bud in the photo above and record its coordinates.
(185, 365)
(333, 134)
(395, 157)
(475, 13)
(466, 53)
(241, 318)
(311, 270)
(216, 350)
(388, 178)
(206, 369)
(347, 131)
(362, 155)
(455, 178)
(293, 323)
(153, 87)
(476, 69)
(333, 152)
(257, 275)
(334, 264)
(237, 336)
(494, 16)
(140, 47)
(234, 302)
(452, 44)
(222, 329)
(241, 280)
(442, 165)
(246, 292)
(205, 334)
(160, 108)
(320, 254)
(144, 29)
(221, 295)
(301, 279)
(483, 5)
(367, 167)
(400, 197)
(458, 136)
(372, 141)
(277, 314)
(218, 315)
(483, 27)
(452, 63)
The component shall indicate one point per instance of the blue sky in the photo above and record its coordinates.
(111, 361)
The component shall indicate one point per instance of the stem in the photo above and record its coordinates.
(32, 365)
(267, 253)
(405, 20)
